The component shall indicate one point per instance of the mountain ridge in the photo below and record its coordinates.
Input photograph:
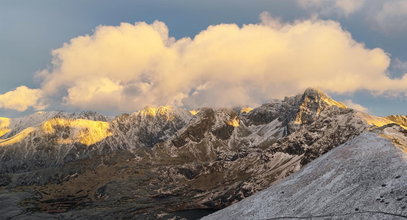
(344, 178)
(172, 159)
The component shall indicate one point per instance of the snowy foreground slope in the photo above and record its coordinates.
(365, 178)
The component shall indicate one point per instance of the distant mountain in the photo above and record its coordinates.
(52, 139)
(165, 162)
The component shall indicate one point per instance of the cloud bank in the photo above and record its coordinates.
(21, 99)
(328, 7)
(126, 67)
(386, 16)
(399, 65)
(392, 16)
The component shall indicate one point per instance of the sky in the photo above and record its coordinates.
(120, 56)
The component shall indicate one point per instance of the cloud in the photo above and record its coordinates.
(400, 65)
(126, 67)
(398, 68)
(391, 16)
(387, 16)
(329, 7)
(355, 106)
(21, 99)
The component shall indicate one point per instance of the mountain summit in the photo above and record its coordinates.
(313, 102)
(166, 162)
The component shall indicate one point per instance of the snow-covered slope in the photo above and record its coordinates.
(47, 139)
(13, 126)
(147, 127)
(365, 178)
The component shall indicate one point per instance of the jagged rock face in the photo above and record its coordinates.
(311, 104)
(148, 127)
(170, 160)
(260, 150)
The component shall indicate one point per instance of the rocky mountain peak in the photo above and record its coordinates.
(314, 91)
(317, 96)
(161, 111)
(312, 103)
(90, 115)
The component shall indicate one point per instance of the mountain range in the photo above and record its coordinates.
(300, 157)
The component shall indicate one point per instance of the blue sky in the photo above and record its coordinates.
(30, 30)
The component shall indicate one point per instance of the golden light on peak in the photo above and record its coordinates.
(235, 122)
(4, 131)
(194, 112)
(332, 102)
(4, 126)
(304, 106)
(246, 110)
(156, 111)
(380, 121)
(84, 131)
(4, 122)
(17, 138)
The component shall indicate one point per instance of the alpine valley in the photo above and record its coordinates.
(303, 157)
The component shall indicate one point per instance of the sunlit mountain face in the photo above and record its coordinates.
(167, 162)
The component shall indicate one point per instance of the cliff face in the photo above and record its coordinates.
(160, 162)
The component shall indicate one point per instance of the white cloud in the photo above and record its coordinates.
(386, 16)
(330, 7)
(355, 106)
(21, 99)
(127, 67)
(392, 16)
(400, 65)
